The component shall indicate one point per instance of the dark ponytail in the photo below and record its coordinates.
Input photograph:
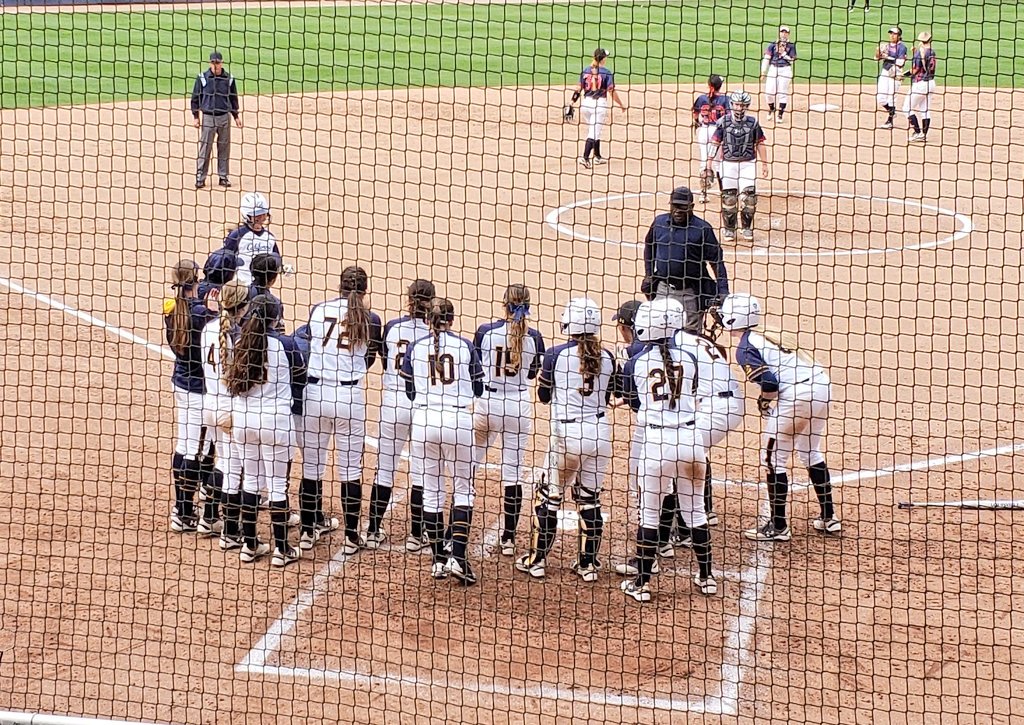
(248, 366)
(421, 293)
(442, 315)
(354, 284)
(184, 276)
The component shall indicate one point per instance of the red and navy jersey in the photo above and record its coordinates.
(923, 65)
(709, 108)
(893, 52)
(780, 55)
(596, 82)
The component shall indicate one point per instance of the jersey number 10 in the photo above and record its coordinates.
(442, 369)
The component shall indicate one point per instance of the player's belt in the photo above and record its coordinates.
(582, 420)
(672, 427)
(316, 381)
(491, 389)
(725, 394)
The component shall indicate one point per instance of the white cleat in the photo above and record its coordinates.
(508, 547)
(438, 570)
(536, 570)
(712, 518)
(229, 543)
(636, 592)
(462, 571)
(375, 539)
(729, 235)
(353, 545)
(586, 573)
(768, 532)
(600, 161)
(328, 525)
(747, 234)
(416, 543)
(209, 528)
(307, 539)
(830, 526)
(917, 138)
(631, 568)
(286, 557)
(708, 587)
(666, 551)
(586, 163)
(248, 556)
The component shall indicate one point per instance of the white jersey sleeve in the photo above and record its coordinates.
(765, 361)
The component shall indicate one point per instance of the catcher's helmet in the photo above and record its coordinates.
(582, 316)
(740, 97)
(740, 311)
(253, 204)
(659, 319)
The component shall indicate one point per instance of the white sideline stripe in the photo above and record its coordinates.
(553, 217)
(86, 317)
(30, 718)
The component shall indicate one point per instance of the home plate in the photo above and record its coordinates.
(823, 107)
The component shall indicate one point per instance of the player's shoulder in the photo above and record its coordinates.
(534, 334)
(396, 322)
(489, 327)
(561, 349)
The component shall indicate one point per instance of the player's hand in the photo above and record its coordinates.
(224, 421)
(238, 121)
(764, 406)
(764, 169)
(196, 122)
(288, 270)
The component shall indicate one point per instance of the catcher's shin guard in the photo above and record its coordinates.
(542, 529)
(591, 529)
(749, 200)
(730, 208)
(462, 517)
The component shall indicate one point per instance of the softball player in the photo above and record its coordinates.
(853, 4)
(777, 73)
(258, 378)
(252, 237)
(922, 76)
(344, 340)
(265, 269)
(708, 110)
(577, 379)
(893, 56)
(660, 384)
(219, 269)
(185, 315)
(510, 352)
(396, 417)
(596, 85)
(442, 376)
(741, 140)
(626, 348)
(801, 389)
(233, 298)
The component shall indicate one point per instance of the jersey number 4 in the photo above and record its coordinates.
(442, 369)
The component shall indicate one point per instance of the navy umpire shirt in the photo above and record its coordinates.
(680, 255)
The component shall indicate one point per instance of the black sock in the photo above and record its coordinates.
(380, 497)
(513, 505)
(892, 112)
(462, 517)
(597, 148)
(308, 504)
(587, 148)
(669, 513)
(771, 108)
(351, 504)
(927, 125)
(782, 109)
(708, 502)
(250, 510)
(177, 474)
(232, 510)
(702, 549)
(279, 523)
(433, 523)
(778, 491)
(191, 478)
(416, 512)
(914, 124)
(213, 480)
(591, 531)
(646, 549)
(545, 522)
(823, 488)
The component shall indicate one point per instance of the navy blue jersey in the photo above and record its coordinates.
(596, 82)
(709, 108)
(188, 364)
(892, 53)
(923, 65)
(780, 54)
(296, 349)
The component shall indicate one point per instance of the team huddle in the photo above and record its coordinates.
(249, 397)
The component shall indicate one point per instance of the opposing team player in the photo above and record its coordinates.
(893, 56)
(597, 84)
(344, 341)
(510, 352)
(660, 383)
(443, 375)
(801, 391)
(258, 378)
(708, 110)
(185, 315)
(577, 379)
(922, 76)
(741, 140)
(396, 417)
(253, 236)
(777, 73)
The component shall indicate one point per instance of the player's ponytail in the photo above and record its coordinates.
(233, 298)
(588, 347)
(517, 307)
(248, 366)
(440, 319)
(670, 371)
(421, 293)
(184, 276)
(354, 284)
(787, 342)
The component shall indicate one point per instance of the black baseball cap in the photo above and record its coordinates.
(681, 196)
(216, 55)
(627, 312)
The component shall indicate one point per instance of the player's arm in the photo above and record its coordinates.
(749, 358)
(649, 253)
(476, 372)
(627, 386)
(614, 94)
(761, 149)
(546, 381)
(714, 145)
(406, 374)
(538, 358)
(766, 60)
(376, 342)
(714, 256)
(901, 55)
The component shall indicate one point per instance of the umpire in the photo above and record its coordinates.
(216, 96)
(683, 259)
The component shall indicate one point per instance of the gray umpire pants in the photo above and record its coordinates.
(690, 302)
(219, 127)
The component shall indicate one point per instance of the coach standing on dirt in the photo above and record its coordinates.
(216, 96)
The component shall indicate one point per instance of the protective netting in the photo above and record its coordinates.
(305, 411)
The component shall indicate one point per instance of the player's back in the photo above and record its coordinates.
(666, 390)
(273, 395)
(442, 371)
(714, 374)
(399, 334)
(575, 395)
(333, 358)
(757, 352)
(493, 344)
(211, 352)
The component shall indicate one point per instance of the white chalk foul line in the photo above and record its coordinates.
(553, 220)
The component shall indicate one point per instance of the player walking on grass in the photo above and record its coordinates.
(741, 140)
(577, 380)
(918, 101)
(660, 384)
(396, 412)
(442, 376)
(893, 56)
(510, 352)
(708, 110)
(597, 85)
(801, 391)
(344, 340)
(777, 73)
(185, 315)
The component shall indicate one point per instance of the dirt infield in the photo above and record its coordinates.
(889, 259)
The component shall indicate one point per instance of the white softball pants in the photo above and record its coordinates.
(717, 416)
(798, 424)
(510, 416)
(194, 440)
(395, 426)
(229, 453)
(442, 444)
(580, 452)
(338, 411)
(594, 112)
(887, 89)
(265, 442)
(672, 459)
(777, 83)
(918, 101)
(739, 174)
(704, 134)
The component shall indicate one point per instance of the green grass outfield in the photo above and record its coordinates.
(87, 57)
